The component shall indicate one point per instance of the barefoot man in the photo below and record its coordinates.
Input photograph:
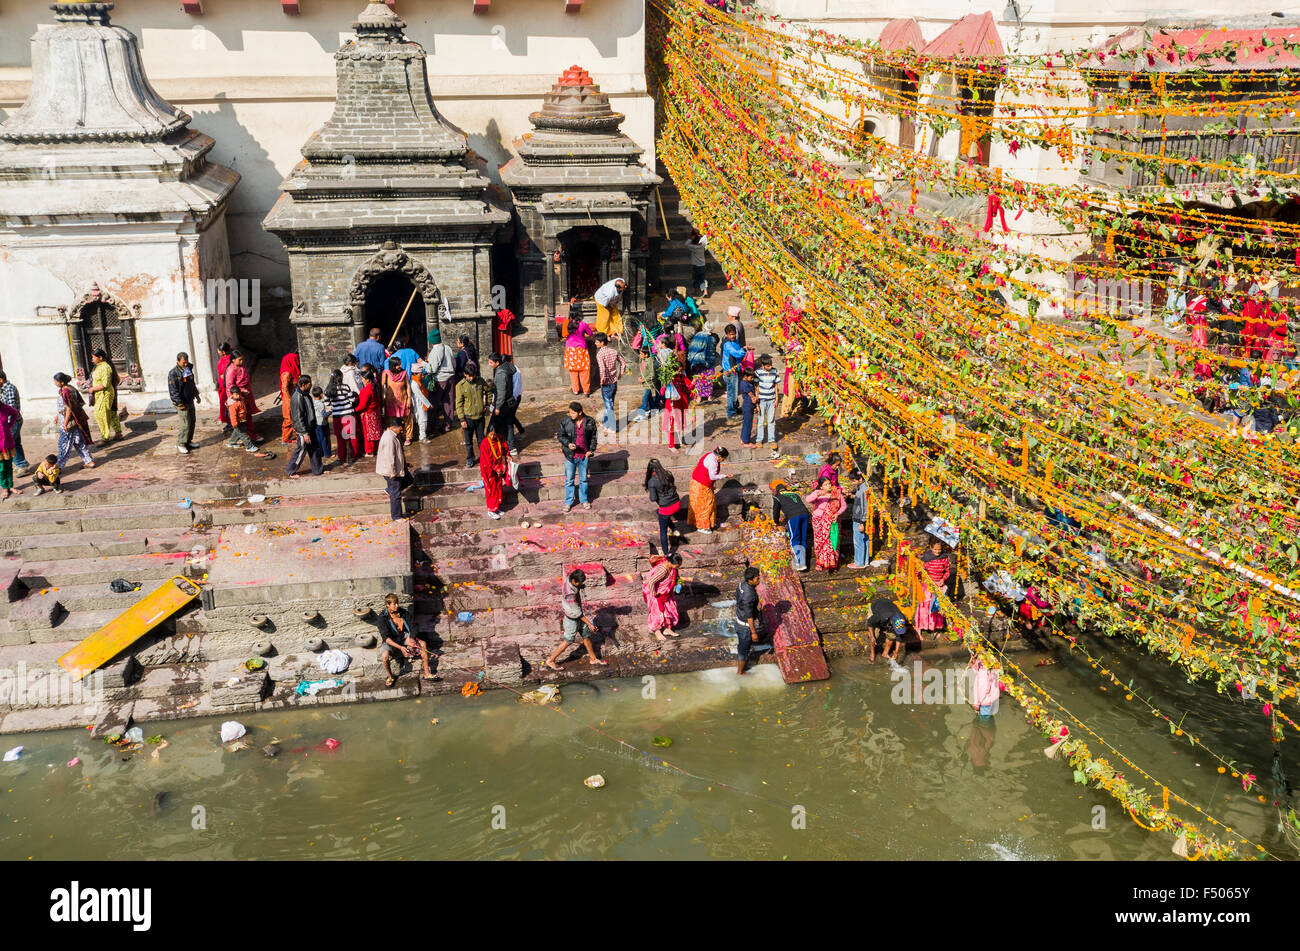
(576, 627)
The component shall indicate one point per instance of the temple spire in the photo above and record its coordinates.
(89, 85)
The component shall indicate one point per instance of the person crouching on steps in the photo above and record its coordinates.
(576, 626)
(399, 637)
(47, 475)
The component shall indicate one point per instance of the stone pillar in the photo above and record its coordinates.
(359, 328)
(633, 293)
(548, 252)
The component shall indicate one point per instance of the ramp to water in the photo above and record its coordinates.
(129, 626)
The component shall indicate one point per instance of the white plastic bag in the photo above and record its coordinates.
(232, 730)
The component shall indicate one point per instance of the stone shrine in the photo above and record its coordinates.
(384, 216)
(581, 197)
(112, 221)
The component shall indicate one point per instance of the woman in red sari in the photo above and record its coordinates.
(237, 375)
(677, 400)
(494, 466)
(290, 370)
(504, 339)
(827, 504)
(223, 365)
(660, 590)
(372, 426)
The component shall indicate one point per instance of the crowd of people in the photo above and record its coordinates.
(382, 399)
(680, 360)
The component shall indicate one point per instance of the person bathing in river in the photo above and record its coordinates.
(576, 626)
(888, 619)
(399, 637)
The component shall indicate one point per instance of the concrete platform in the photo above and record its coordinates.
(313, 560)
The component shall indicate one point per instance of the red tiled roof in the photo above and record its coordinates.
(902, 34)
(1251, 51)
(974, 36)
(575, 76)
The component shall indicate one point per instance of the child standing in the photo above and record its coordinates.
(237, 400)
(766, 378)
(748, 390)
(47, 475)
(322, 434)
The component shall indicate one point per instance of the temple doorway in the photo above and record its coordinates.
(587, 252)
(386, 299)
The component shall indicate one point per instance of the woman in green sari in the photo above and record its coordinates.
(103, 390)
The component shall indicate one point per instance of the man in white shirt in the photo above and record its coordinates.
(609, 307)
(442, 362)
(697, 245)
(390, 462)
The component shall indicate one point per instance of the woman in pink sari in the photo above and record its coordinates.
(237, 375)
(938, 569)
(1276, 346)
(827, 504)
(222, 393)
(1198, 321)
(660, 590)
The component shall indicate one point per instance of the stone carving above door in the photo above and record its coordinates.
(391, 257)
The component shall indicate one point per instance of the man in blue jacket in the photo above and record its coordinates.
(184, 393)
(371, 352)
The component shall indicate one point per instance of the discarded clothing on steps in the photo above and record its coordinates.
(309, 688)
(122, 586)
(333, 662)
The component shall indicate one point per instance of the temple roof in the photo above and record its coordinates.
(974, 36)
(88, 84)
(576, 104)
(577, 143)
(385, 160)
(94, 141)
(1249, 48)
(902, 34)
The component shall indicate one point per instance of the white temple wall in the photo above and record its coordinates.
(260, 82)
(162, 272)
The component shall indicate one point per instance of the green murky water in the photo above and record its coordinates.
(498, 779)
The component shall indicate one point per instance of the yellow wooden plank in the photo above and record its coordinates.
(129, 626)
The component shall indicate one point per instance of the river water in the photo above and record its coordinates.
(760, 770)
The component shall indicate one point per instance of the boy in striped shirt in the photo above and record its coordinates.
(766, 378)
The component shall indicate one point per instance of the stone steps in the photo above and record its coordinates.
(54, 547)
(149, 568)
(29, 621)
(155, 515)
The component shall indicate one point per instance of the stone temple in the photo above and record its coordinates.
(581, 196)
(112, 220)
(384, 210)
